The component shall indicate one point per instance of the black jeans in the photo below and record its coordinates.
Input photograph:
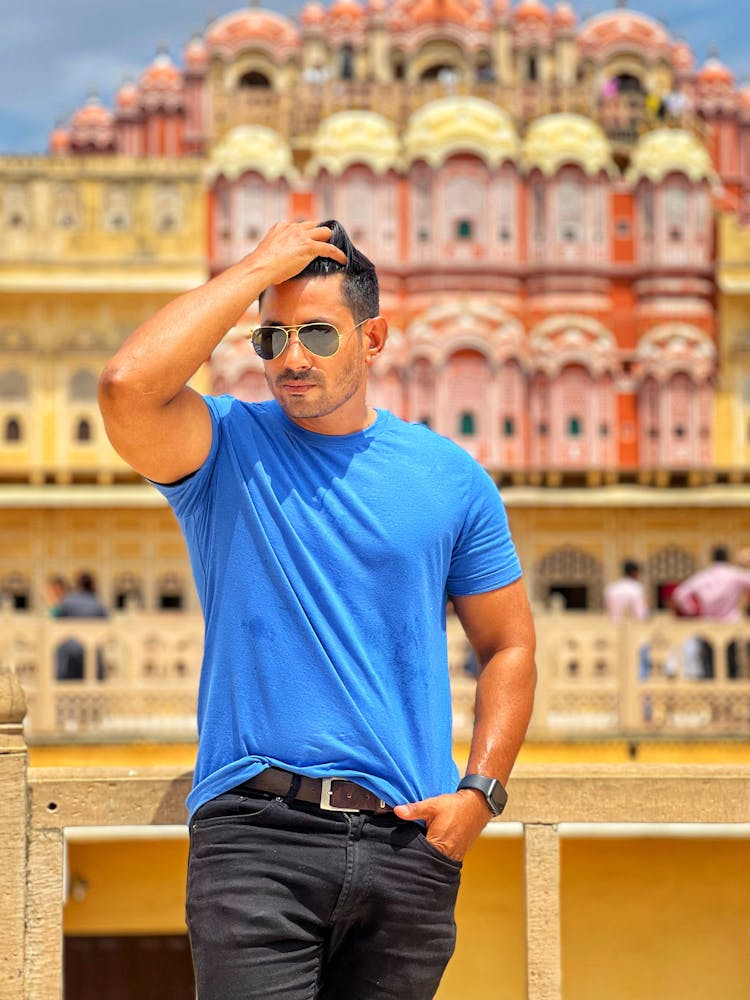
(290, 901)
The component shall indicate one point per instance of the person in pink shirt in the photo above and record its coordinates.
(626, 597)
(715, 593)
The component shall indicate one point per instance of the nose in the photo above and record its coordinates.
(295, 356)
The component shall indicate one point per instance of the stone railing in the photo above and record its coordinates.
(136, 675)
(40, 804)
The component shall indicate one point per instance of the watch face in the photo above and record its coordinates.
(499, 796)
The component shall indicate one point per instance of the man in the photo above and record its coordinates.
(715, 593)
(626, 597)
(327, 830)
(79, 602)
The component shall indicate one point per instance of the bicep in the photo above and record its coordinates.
(497, 620)
(163, 443)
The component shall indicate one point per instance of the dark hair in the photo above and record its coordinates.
(85, 581)
(720, 554)
(359, 288)
(630, 568)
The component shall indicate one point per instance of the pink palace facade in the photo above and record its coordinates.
(539, 195)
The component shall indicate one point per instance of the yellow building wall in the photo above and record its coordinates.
(642, 919)
(732, 430)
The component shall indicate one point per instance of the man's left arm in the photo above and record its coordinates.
(500, 628)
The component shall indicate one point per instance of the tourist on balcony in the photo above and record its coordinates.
(55, 590)
(79, 602)
(625, 598)
(328, 825)
(715, 593)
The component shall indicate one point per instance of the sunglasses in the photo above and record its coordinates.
(321, 339)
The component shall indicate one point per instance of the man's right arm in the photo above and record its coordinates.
(160, 426)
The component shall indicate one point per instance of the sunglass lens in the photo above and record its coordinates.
(269, 341)
(320, 338)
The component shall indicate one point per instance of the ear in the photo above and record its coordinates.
(375, 336)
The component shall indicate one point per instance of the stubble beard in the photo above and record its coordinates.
(320, 401)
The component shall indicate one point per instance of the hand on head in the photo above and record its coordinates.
(288, 247)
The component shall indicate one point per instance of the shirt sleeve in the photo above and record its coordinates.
(185, 494)
(484, 556)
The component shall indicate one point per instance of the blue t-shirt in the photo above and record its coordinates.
(322, 564)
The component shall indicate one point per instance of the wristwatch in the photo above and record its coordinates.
(491, 788)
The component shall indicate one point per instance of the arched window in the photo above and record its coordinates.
(444, 72)
(171, 593)
(83, 434)
(127, 591)
(83, 386)
(676, 213)
(646, 212)
(347, 63)
(532, 68)
(538, 210)
(466, 424)
(13, 384)
(570, 210)
(253, 78)
(15, 587)
(485, 69)
(575, 427)
(509, 427)
(13, 433)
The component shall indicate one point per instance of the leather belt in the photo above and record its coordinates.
(331, 794)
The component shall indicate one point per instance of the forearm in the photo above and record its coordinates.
(504, 701)
(162, 354)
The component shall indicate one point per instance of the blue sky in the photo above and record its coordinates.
(54, 53)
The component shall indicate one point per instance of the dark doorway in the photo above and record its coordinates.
(574, 595)
(128, 968)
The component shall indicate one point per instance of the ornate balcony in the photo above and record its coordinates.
(135, 676)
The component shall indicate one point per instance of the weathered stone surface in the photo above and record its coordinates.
(12, 699)
(12, 872)
(104, 796)
(44, 937)
(543, 949)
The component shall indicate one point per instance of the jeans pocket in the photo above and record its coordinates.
(429, 848)
(227, 807)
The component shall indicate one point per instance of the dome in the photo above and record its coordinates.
(459, 125)
(354, 137)
(243, 29)
(408, 13)
(195, 54)
(313, 14)
(669, 150)
(564, 16)
(251, 147)
(714, 73)
(92, 125)
(531, 11)
(682, 57)
(345, 10)
(127, 97)
(555, 140)
(92, 114)
(59, 141)
(623, 29)
(162, 75)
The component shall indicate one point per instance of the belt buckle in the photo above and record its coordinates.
(326, 790)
